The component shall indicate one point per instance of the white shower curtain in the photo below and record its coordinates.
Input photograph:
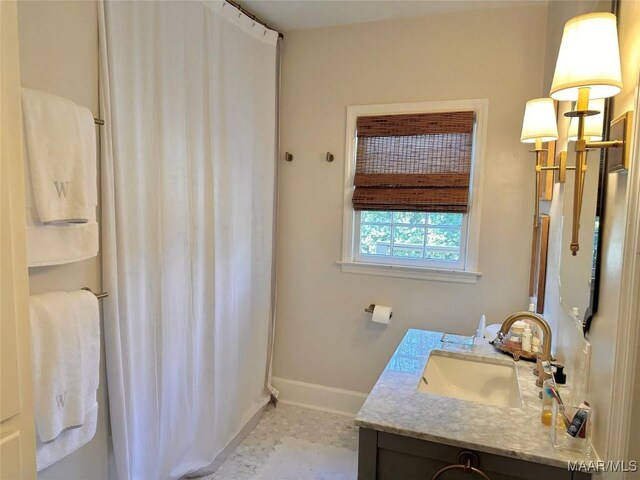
(188, 159)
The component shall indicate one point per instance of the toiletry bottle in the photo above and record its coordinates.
(560, 379)
(482, 325)
(526, 339)
(516, 334)
(536, 333)
(547, 397)
(517, 330)
(536, 344)
(559, 376)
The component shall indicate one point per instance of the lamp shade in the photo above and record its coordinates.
(539, 121)
(592, 124)
(589, 57)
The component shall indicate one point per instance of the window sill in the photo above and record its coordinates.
(416, 273)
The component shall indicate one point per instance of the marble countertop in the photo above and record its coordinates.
(396, 406)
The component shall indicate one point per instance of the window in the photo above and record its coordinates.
(412, 189)
(411, 238)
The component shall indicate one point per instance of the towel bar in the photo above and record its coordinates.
(98, 295)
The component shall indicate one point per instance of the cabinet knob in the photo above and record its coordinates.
(467, 460)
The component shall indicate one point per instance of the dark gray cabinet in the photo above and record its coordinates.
(386, 456)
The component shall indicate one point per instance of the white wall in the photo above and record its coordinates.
(570, 344)
(604, 330)
(59, 54)
(322, 334)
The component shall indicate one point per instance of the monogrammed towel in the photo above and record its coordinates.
(65, 356)
(61, 153)
(58, 242)
(67, 442)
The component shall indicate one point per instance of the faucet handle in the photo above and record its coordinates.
(498, 340)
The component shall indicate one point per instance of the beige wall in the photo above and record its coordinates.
(322, 334)
(570, 345)
(59, 54)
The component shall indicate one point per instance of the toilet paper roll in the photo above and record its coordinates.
(381, 314)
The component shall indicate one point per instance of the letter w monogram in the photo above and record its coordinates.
(60, 399)
(61, 188)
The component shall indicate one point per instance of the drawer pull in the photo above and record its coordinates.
(467, 460)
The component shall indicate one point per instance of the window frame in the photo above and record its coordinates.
(465, 272)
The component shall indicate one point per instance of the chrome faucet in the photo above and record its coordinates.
(545, 355)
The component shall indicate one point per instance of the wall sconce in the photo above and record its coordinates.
(538, 126)
(588, 67)
(592, 124)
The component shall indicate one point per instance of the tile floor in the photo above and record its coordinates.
(286, 422)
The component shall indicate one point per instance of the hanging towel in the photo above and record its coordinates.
(61, 152)
(58, 243)
(65, 356)
(67, 442)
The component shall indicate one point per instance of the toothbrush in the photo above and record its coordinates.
(556, 395)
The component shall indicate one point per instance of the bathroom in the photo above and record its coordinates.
(314, 347)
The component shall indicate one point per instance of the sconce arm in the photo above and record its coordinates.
(561, 168)
(606, 144)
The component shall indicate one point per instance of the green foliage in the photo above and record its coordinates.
(443, 237)
(376, 217)
(445, 219)
(373, 239)
(411, 234)
(411, 218)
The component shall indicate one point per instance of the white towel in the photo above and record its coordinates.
(67, 442)
(65, 355)
(58, 244)
(54, 244)
(61, 152)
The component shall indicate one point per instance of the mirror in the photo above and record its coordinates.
(579, 274)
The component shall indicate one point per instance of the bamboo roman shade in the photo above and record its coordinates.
(414, 162)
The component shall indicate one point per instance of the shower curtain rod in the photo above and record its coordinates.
(251, 16)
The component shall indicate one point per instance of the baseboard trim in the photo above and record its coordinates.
(319, 397)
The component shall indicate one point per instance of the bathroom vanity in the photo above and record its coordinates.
(412, 427)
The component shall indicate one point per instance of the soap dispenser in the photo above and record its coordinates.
(559, 376)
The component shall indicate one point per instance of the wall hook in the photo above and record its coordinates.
(288, 157)
(330, 157)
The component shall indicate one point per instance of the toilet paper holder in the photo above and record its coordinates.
(370, 308)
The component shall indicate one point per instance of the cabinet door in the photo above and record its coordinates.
(386, 456)
(17, 441)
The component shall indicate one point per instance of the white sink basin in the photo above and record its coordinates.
(469, 377)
